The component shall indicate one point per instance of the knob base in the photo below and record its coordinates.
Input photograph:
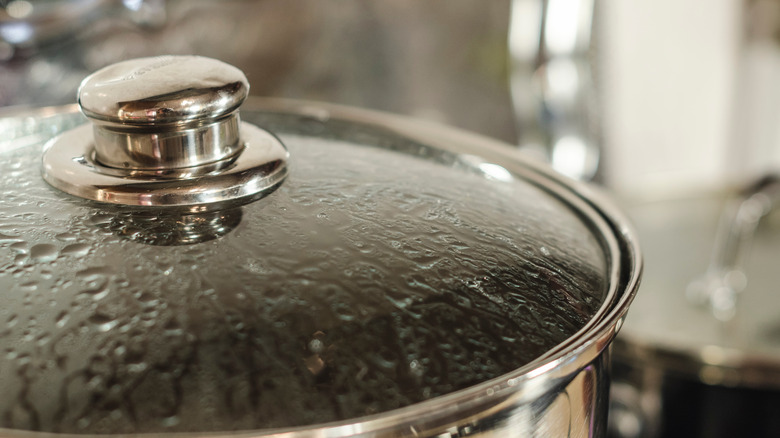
(69, 164)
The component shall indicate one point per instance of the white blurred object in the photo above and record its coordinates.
(757, 104)
(672, 92)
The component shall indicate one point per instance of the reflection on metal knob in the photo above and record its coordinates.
(165, 132)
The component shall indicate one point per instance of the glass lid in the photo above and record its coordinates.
(388, 268)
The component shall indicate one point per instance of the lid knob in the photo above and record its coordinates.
(165, 131)
(165, 112)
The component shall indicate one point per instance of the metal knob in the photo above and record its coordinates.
(165, 131)
(164, 113)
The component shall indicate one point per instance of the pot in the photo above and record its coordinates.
(299, 269)
(700, 354)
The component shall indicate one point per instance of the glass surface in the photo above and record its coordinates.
(380, 274)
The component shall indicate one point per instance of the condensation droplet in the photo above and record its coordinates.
(103, 322)
(173, 328)
(66, 237)
(62, 319)
(147, 298)
(43, 252)
(29, 286)
(20, 248)
(43, 339)
(76, 250)
(101, 219)
(97, 281)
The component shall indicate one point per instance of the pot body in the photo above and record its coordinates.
(562, 393)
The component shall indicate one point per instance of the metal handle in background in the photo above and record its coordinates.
(721, 284)
(552, 85)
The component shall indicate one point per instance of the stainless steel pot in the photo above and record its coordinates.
(335, 272)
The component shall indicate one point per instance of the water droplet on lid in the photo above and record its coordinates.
(172, 327)
(147, 298)
(96, 279)
(43, 340)
(101, 219)
(20, 248)
(62, 318)
(66, 237)
(103, 322)
(23, 359)
(76, 250)
(43, 252)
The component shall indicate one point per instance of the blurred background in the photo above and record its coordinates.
(664, 93)
(672, 107)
